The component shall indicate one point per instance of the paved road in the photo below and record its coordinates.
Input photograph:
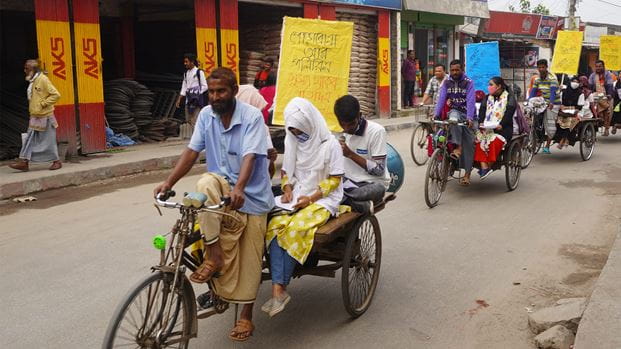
(458, 276)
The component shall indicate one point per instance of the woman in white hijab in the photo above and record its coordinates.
(311, 178)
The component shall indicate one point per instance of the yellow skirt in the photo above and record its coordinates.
(296, 232)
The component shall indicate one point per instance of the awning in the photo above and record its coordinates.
(469, 8)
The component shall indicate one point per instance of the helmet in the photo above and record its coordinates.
(394, 163)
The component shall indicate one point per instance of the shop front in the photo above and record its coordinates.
(260, 26)
(431, 29)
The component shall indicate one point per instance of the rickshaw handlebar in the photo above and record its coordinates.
(439, 122)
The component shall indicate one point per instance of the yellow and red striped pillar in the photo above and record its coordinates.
(89, 75)
(54, 43)
(206, 34)
(383, 63)
(229, 35)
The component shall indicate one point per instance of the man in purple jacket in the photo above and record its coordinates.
(408, 72)
(458, 90)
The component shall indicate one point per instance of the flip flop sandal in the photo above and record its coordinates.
(464, 182)
(242, 331)
(455, 155)
(205, 272)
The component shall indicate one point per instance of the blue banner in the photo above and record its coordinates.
(389, 4)
(482, 63)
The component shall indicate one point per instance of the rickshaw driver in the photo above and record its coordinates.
(459, 91)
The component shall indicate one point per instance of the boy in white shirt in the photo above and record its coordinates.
(364, 147)
(193, 89)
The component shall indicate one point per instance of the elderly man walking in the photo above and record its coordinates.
(40, 144)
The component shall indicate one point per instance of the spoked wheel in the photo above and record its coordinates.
(361, 266)
(513, 166)
(587, 141)
(153, 315)
(528, 149)
(418, 145)
(436, 177)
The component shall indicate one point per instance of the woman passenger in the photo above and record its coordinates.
(572, 104)
(313, 167)
(496, 120)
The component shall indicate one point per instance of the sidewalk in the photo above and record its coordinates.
(130, 160)
(600, 326)
(88, 169)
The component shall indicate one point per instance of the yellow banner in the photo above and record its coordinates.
(383, 61)
(567, 52)
(88, 61)
(230, 49)
(610, 51)
(314, 64)
(54, 44)
(206, 46)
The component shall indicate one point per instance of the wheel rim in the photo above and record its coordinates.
(514, 167)
(154, 311)
(435, 179)
(587, 144)
(418, 144)
(528, 152)
(363, 271)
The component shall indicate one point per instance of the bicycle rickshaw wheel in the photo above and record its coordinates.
(513, 166)
(138, 320)
(418, 145)
(587, 141)
(436, 177)
(528, 150)
(361, 265)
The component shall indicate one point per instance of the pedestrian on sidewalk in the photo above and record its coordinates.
(40, 144)
(408, 72)
(193, 89)
(261, 78)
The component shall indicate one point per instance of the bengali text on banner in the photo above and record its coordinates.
(314, 64)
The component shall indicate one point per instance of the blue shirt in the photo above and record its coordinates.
(226, 148)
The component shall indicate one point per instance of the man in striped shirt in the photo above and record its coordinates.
(548, 85)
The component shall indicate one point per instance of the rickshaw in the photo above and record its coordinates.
(584, 132)
(442, 167)
(161, 310)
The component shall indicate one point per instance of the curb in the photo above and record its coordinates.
(14, 189)
(601, 323)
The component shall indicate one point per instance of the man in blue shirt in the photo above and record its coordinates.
(233, 136)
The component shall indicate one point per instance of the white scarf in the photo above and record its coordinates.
(308, 159)
(31, 81)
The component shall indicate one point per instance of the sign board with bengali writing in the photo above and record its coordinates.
(314, 64)
(567, 52)
(610, 51)
(482, 63)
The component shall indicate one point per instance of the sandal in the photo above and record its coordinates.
(242, 331)
(464, 181)
(455, 155)
(205, 272)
